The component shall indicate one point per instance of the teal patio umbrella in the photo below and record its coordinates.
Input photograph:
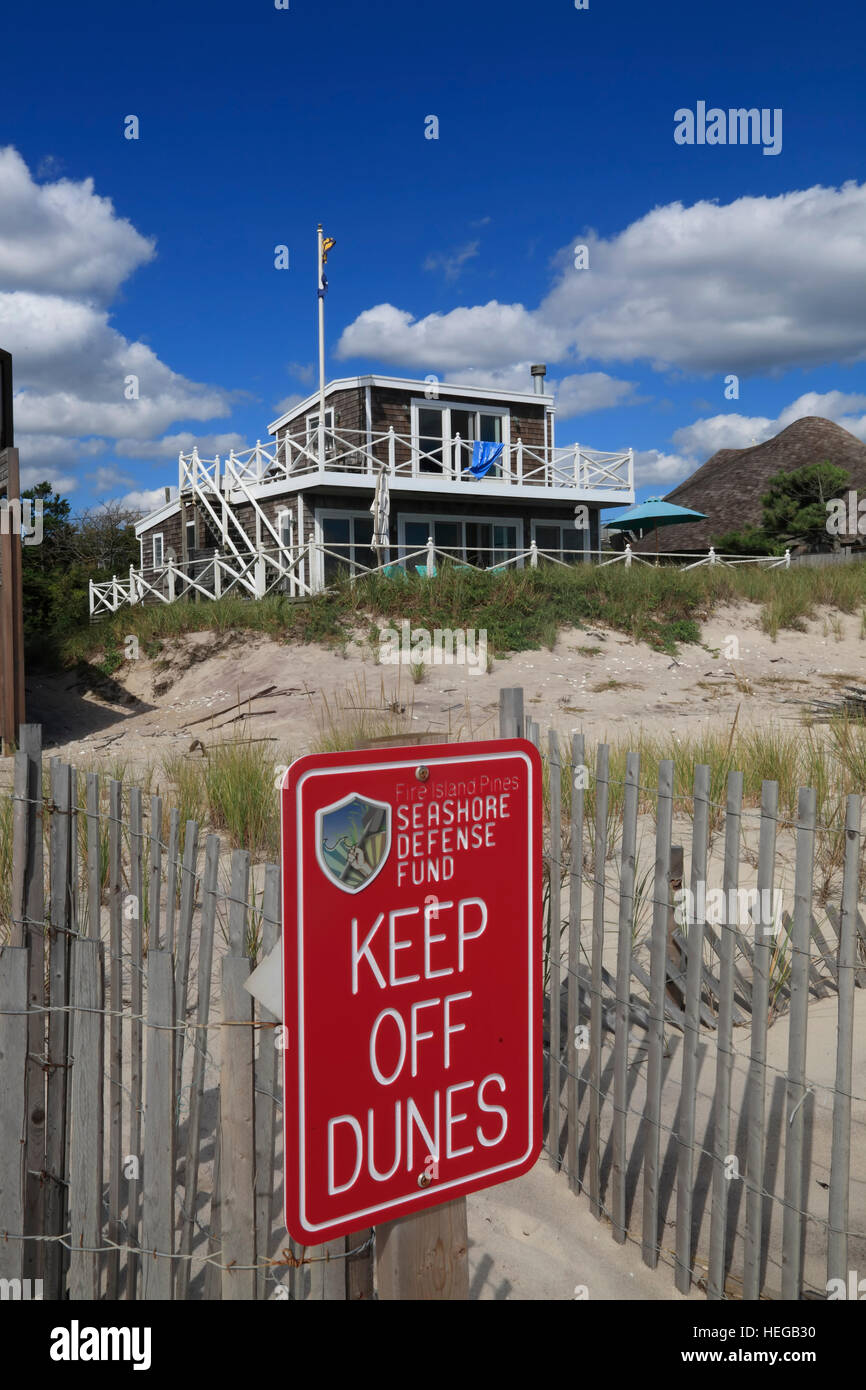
(650, 515)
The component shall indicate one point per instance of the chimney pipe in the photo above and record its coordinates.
(539, 372)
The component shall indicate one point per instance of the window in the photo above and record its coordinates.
(560, 540)
(190, 537)
(346, 537)
(483, 543)
(158, 552)
(284, 528)
(436, 427)
(313, 429)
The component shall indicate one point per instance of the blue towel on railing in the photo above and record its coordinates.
(484, 455)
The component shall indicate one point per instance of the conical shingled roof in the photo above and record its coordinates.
(729, 486)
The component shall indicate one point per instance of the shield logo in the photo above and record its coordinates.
(353, 840)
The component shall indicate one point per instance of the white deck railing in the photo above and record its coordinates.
(302, 571)
(354, 451)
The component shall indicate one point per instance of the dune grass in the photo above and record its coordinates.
(519, 609)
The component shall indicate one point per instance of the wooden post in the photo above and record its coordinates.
(424, 1256)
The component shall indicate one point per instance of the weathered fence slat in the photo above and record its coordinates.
(58, 1033)
(184, 942)
(13, 1105)
(135, 920)
(511, 722)
(688, 1090)
(795, 1094)
(266, 1092)
(628, 862)
(171, 880)
(237, 1124)
(94, 864)
(115, 1036)
(154, 898)
(29, 901)
(602, 791)
(840, 1154)
(210, 888)
(575, 895)
(86, 1140)
(760, 957)
(724, 1050)
(157, 1219)
(655, 1031)
(554, 1120)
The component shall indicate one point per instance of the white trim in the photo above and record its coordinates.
(155, 517)
(394, 383)
(157, 536)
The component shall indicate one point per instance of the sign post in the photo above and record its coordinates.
(413, 990)
(12, 714)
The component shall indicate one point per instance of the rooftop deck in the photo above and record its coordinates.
(356, 457)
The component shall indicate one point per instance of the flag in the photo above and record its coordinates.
(327, 245)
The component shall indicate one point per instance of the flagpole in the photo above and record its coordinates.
(321, 354)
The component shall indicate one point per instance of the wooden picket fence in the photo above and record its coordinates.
(140, 1135)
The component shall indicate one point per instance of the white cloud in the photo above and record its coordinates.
(172, 444)
(701, 439)
(147, 500)
(580, 394)
(653, 466)
(109, 479)
(489, 335)
(451, 263)
(755, 285)
(62, 237)
(64, 253)
(287, 403)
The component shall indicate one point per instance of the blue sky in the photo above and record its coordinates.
(454, 256)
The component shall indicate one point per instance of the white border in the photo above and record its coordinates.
(342, 770)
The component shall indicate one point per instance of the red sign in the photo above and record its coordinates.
(412, 960)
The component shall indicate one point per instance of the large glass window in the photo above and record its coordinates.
(561, 541)
(439, 426)
(481, 543)
(430, 423)
(347, 541)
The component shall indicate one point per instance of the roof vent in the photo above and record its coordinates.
(539, 372)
